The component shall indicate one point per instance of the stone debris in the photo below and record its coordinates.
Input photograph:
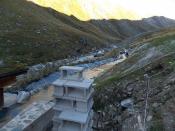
(1, 63)
(127, 103)
(22, 96)
(44, 82)
(97, 63)
(39, 71)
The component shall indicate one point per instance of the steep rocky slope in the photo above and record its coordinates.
(31, 34)
(154, 57)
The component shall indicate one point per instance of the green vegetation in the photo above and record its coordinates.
(157, 122)
(164, 39)
(158, 126)
(159, 54)
(30, 34)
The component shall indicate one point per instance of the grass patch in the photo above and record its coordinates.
(163, 40)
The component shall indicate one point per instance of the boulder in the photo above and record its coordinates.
(127, 103)
(23, 96)
(1, 63)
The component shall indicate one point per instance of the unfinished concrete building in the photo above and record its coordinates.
(73, 93)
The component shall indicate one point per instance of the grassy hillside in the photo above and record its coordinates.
(155, 57)
(30, 34)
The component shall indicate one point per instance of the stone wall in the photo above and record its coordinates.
(37, 117)
(43, 123)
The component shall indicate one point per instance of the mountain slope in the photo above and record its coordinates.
(155, 57)
(30, 34)
(127, 28)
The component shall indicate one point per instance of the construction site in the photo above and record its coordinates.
(66, 104)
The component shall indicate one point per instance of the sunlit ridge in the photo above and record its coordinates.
(111, 9)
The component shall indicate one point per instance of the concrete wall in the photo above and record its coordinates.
(82, 106)
(42, 123)
(59, 91)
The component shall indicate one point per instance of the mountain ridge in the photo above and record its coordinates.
(87, 9)
(107, 9)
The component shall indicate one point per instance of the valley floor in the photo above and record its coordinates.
(46, 93)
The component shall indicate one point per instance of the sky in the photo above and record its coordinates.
(146, 8)
(112, 9)
(143, 8)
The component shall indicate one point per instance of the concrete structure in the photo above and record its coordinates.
(37, 117)
(73, 93)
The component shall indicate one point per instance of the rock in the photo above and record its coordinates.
(171, 81)
(49, 67)
(1, 63)
(166, 87)
(32, 92)
(155, 105)
(149, 118)
(18, 24)
(36, 72)
(9, 41)
(127, 103)
(129, 88)
(21, 79)
(23, 96)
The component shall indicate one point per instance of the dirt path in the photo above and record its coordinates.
(95, 72)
